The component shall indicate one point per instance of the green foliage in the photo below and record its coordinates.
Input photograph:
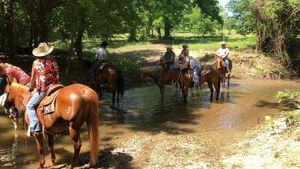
(284, 96)
(196, 22)
(270, 121)
(292, 117)
(123, 63)
(243, 17)
(210, 8)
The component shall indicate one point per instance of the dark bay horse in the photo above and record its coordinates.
(111, 76)
(211, 76)
(161, 77)
(75, 104)
(222, 70)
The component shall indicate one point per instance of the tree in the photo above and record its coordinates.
(278, 23)
(210, 8)
(9, 38)
(243, 17)
(196, 22)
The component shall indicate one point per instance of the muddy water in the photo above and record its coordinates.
(241, 107)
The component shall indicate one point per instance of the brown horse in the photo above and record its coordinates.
(161, 77)
(211, 76)
(75, 104)
(222, 70)
(111, 76)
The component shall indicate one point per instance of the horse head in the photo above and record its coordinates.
(11, 97)
(219, 62)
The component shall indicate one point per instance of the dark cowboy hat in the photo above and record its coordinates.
(104, 43)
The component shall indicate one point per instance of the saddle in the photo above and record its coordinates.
(47, 105)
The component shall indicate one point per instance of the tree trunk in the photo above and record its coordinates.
(158, 32)
(78, 40)
(9, 36)
(132, 35)
(167, 28)
(42, 27)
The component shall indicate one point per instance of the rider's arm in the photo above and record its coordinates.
(227, 53)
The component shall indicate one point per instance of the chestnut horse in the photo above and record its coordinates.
(111, 76)
(211, 76)
(161, 77)
(75, 104)
(222, 70)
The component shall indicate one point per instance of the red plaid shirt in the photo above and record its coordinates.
(44, 73)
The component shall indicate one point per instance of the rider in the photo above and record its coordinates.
(168, 59)
(224, 52)
(100, 58)
(184, 53)
(15, 72)
(44, 73)
(190, 62)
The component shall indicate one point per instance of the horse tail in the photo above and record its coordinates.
(120, 83)
(93, 130)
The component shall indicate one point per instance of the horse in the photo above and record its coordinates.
(162, 77)
(211, 76)
(111, 76)
(74, 105)
(222, 70)
(15, 74)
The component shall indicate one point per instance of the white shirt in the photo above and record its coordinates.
(223, 52)
(101, 54)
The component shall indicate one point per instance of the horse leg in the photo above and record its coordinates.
(113, 97)
(217, 86)
(162, 92)
(185, 91)
(75, 136)
(51, 146)
(118, 97)
(39, 143)
(228, 80)
(211, 90)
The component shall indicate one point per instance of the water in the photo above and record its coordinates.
(241, 107)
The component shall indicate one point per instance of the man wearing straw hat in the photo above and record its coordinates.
(224, 52)
(168, 59)
(44, 73)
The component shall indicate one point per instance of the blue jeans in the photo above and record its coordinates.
(196, 71)
(30, 107)
(169, 66)
(94, 68)
(226, 62)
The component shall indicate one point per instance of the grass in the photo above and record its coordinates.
(119, 43)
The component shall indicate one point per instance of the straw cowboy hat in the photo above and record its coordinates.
(169, 46)
(42, 50)
(223, 43)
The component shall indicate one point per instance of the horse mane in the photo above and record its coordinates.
(18, 93)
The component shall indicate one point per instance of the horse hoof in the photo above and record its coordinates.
(53, 161)
(69, 166)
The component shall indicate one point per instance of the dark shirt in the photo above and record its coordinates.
(169, 56)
